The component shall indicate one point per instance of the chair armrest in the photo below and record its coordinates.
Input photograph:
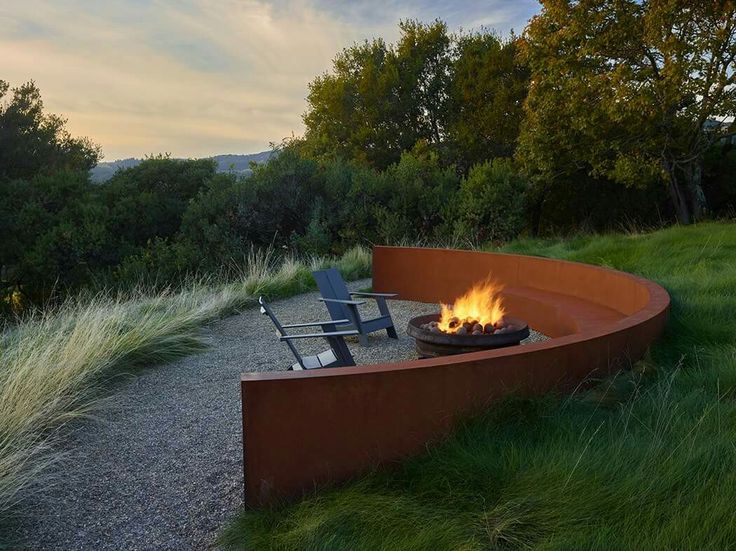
(339, 301)
(374, 295)
(315, 323)
(321, 335)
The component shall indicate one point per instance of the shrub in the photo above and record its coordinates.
(53, 231)
(149, 200)
(415, 197)
(316, 239)
(491, 203)
(719, 179)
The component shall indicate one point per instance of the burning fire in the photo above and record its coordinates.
(481, 305)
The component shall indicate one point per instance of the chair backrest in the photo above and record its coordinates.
(331, 285)
(266, 311)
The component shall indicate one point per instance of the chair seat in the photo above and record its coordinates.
(323, 359)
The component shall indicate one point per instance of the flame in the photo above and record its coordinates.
(481, 304)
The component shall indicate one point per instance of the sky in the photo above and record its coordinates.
(196, 78)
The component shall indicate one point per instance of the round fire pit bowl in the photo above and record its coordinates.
(431, 344)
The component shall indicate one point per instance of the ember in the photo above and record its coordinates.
(479, 311)
(469, 327)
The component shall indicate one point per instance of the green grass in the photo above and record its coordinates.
(55, 367)
(646, 460)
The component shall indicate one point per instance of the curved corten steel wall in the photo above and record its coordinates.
(302, 429)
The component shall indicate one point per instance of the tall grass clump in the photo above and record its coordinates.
(54, 366)
(644, 460)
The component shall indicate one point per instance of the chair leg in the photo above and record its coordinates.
(383, 308)
(341, 350)
(354, 317)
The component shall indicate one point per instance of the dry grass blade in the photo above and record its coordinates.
(53, 366)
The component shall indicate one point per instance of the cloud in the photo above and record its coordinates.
(468, 13)
(198, 77)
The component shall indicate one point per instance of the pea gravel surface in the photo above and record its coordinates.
(160, 466)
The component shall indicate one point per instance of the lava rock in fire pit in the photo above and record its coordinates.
(462, 330)
(488, 328)
(477, 328)
(454, 322)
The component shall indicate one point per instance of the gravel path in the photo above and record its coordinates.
(161, 466)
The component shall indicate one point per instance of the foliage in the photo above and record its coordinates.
(54, 367)
(643, 460)
(48, 223)
(404, 142)
(625, 89)
(486, 96)
(491, 203)
(216, 222)
(149, 200)
(461, 94)
(719, 178)
(53, 230)
(381, 99)
(413, 197)
(33, 142)
(593, 204)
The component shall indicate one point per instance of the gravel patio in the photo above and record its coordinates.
(160, 467)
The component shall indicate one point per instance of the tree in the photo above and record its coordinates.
(461, 94)
(380, 100)
(54, 232)
(628, 90)
(149, 200)
(487, 92)
(49, 225)
(33, 142)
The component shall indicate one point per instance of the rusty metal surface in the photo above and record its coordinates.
(306, 429)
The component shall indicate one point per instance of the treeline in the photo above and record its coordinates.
(592, 119)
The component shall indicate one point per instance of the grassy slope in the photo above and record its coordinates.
(53, 368)
(644, 461)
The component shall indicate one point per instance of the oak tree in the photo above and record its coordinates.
(628, 90)
(380, 100)
(488, 86)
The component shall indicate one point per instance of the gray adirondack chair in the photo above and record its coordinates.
(338, 355)
(341, 305)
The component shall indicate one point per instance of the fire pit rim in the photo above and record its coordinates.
(414, 329)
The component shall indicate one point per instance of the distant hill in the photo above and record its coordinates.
(240, 164)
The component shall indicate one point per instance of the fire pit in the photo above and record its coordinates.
(476, 321)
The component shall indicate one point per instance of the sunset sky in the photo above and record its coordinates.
(201, 77)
